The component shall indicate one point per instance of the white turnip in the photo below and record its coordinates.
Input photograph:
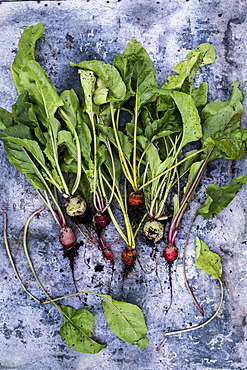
(153, 230)
(75, 206)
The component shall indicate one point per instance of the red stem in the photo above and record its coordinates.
(185, 201)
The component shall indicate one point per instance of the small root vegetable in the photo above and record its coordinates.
(170, 253)
(153, 230)
(75, 206)
(136, 198)
(102, 219)
(67, 237)
(108, 254)
(129, 256)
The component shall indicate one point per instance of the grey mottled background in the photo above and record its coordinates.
(29, 334)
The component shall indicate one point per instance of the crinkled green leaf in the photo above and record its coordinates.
(156, 166)
(51, 149)
(23, 111)
(220, 196)
(109, 74)
(23, 161)
(31, 146)
(85, 139)
(191, 121)
(77, 330)
(17, 131)
(229, 145)
(157, 128)
(143, 76)
(101, 152)
(129, 128)
(125, 320)
(6, 119)
(134, 48)
(70, 108)
(200, 95)
(207, 51)
(223, 116)
(124, 64)
(108, 132)
(185, 166)
(25, 53)
(138, 71)
(192, 130)
(88, 81)
(143, 71)
(183, 70)
(34, 79)
(66, 138)
(208, 261)
(40, 135)
(187, 69)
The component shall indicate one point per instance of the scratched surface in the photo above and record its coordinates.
(29, 333)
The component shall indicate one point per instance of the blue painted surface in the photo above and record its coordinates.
(29, 333)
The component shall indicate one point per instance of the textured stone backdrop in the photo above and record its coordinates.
(29, 334)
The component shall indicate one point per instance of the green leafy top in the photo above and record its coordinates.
(186, 70)
(219, 197)
(25, 53)
(208, 261)
(108, 81)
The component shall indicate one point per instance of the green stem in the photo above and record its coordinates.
(140, 224)
(72, 295)
(27, 253)
(124, 164)
(48, 204)
(33, 270)
(129, 238)
(109, 208)
(39, 173)
(11, 257)
(141, 158)
(113, 175)
(55, 154)
(171, 168)
(44, 182)
(79, 164)
(76, 155)
(198, 326)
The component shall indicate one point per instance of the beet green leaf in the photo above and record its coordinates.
(109, 85)
(25, 53)
(125, 320)
(208, 261)
(77, 330)
(219, 197)
(5, 119)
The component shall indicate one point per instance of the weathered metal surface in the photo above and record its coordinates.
(29, 333)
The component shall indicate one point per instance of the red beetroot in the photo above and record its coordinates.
(67, 237)
(129, 256)
(170, 253)
(102, 219)
(136, 198)
(108, 254)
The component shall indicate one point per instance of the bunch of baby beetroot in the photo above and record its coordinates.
(126, 149)
(126, 143)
